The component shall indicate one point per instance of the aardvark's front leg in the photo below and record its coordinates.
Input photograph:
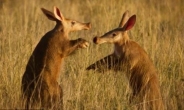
(106, 63)
(75, 44)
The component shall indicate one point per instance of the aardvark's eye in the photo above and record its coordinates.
(73, 22)
(114, 34)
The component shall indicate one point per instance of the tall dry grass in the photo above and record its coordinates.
(159, 30)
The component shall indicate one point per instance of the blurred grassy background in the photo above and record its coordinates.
(159, 30)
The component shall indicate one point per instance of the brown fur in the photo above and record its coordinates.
(130, 57)
(40, 85)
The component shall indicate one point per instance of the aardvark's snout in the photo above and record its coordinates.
(96, 40)
(100, 40)
(87, 26)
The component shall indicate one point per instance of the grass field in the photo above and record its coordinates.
(159, 30)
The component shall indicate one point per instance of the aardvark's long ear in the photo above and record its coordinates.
(49, 14)
(124, 18)
(130, 23)
(58, 14)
